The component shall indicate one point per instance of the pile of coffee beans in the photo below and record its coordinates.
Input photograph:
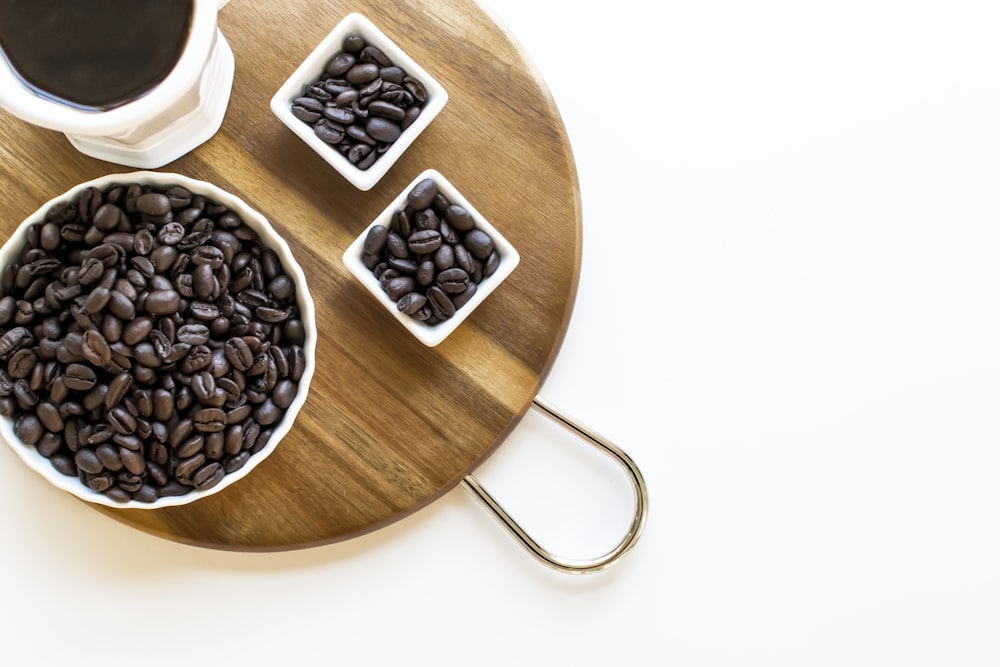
(149, 342)
(431, 257)
(362, 102)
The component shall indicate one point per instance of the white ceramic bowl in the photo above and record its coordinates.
(270, 238)
(432, 335)
(311, 70)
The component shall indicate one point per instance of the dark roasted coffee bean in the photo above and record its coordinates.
(465, 296)
(267, 413)
(444, 258)
(95, 348)
(387, 110)
(238, 353)
(153, 204)
(284, 393)
(416, 88)
(97, 300)
(359, 152)
(440, 303)
(208, 476)
(49, 444)
(117, 389)
(204, 311)
(424, 241)
(463, 259)
(339, 64)
(107, 217)
(209, 420)
(339, 116)
(163, 405)
(362, 73)
(307, 109)
(422, 194)
(22, 363)
(28, 428)
(121, 420)
(382, 129)
(203, 386)
(397, 287)
(282, 288)
(48, 415)
(162, 302)
(14, 339)
(110, 457)
(330, 133)
(87, 461)
(79, 377)
(453, 280)
(376, 239)
(459, 218)
(191, 446)
(186, 468)
(478, 243)
(193, 334)
(411, 303)
(143, 242)
(426, 273)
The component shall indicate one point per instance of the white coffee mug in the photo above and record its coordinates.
(176, 116)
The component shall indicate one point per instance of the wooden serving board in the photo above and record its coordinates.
(389, 425)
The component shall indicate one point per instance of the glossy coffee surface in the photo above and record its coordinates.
(93, 54)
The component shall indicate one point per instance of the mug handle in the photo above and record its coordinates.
(563, 564)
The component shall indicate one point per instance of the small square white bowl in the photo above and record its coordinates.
(312, 69)
(432, 335)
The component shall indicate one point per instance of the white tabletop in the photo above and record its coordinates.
(788, 315)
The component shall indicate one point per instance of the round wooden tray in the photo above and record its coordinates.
(389, 425)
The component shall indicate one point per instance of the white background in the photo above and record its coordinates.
(788, 314)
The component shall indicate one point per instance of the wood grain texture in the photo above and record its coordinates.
(389, 425)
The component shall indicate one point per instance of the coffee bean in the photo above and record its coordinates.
(209, 420)
(208, 476)
(382, 129)
(464, 297)
(411, 302)
(340, 64)
(14, 339)
(376, 239)
(440, 303)
(79, 377)
(118, 388)
(478, 243)
(330, 133)
(22, 363)
(453, 280)
(238, 353)
(307, 109)
(193, 334)
(422, 194)
(162, 302)
(48, 415)
(153, 203)
(95, 348)
(186, 468)
(397, 287)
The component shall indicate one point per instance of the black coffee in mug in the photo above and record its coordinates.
(93, 54)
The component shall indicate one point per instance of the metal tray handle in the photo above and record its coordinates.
(562, 564)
